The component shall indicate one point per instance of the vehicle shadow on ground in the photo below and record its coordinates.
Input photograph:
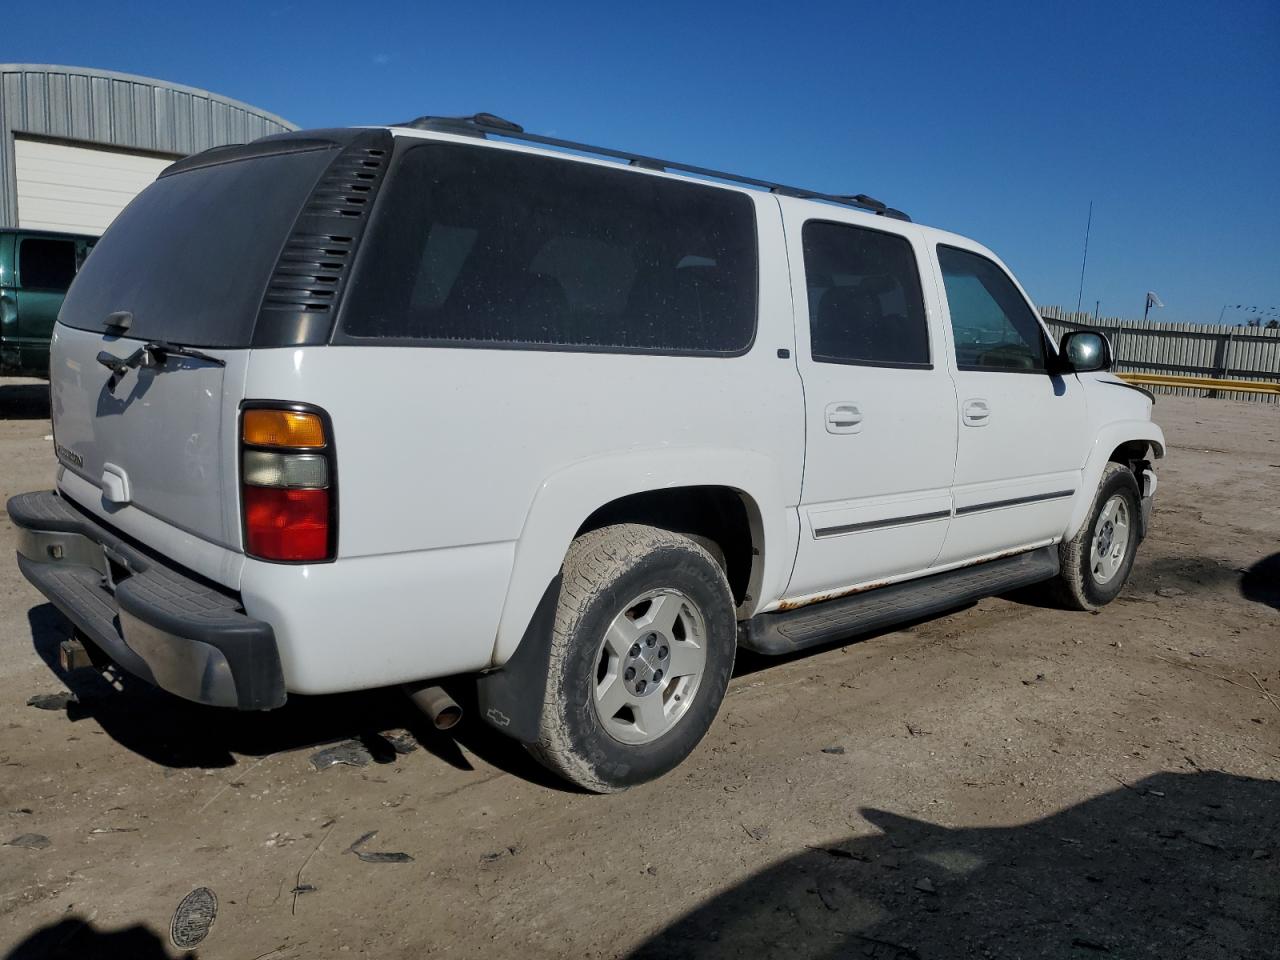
(1176, 576)
(75, 938)
(24, 401)
(1177, 865)
(1261, 582)
(173, 732)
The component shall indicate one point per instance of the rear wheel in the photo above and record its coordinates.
(641, 654)
(1096, 562)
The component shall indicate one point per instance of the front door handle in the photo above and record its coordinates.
(976, 412)
(844, 417)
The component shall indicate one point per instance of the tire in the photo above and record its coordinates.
(1083, 583)
(615, 581)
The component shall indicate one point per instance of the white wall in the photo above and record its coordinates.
(75, 188)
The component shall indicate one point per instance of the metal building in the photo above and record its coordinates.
(78, 144)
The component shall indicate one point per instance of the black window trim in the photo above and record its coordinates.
(403, 145)
(1050, 348)
(928, 327)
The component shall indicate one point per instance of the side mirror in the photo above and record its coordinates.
(1084, 351)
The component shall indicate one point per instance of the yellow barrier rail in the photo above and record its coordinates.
(1200, 383)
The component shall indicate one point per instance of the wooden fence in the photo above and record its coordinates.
(1187, 349)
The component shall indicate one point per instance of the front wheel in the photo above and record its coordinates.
(641, 654)
(1097, 561)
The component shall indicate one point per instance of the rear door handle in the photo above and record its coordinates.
(976, 412)
(844, 417)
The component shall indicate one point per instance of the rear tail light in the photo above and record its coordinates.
(287, 476)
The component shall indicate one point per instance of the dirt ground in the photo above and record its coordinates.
(1007, 781)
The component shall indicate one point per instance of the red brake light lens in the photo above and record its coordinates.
(284, 524)
(286, 475)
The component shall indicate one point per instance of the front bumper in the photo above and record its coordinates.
(170, 629)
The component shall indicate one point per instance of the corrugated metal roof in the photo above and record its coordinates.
(116, 110)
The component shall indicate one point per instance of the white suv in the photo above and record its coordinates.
(354, 408)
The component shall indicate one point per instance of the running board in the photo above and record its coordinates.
(826, 620)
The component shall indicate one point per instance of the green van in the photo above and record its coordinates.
(36, 267)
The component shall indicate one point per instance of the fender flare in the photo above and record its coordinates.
(566, 498)
(1109, 437)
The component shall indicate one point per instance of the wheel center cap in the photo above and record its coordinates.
(647, 664)
(1105, 537)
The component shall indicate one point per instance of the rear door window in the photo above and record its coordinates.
(46, 264)
(993, 327)
(484, 247)
(865, 302)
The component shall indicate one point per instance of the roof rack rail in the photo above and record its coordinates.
(484, 124)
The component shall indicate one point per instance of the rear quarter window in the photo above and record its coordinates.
(482, 247)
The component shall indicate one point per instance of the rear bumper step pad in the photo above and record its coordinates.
(168, 628)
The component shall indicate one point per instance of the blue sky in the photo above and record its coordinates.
(999, 121)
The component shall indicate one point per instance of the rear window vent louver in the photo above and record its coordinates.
(313, 267)
(347, 188)
(307, 273)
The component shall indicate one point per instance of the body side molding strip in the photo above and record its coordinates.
(879, 524)
(1015, 501)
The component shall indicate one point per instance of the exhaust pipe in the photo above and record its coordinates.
(440, 708)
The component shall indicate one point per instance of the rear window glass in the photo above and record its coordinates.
(46, 264)
(190, 256)
(487, 247)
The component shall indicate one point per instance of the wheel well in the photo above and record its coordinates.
(1131, 452)
(1137, 456)
(719, 514)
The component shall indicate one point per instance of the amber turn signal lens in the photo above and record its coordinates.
(283, 428)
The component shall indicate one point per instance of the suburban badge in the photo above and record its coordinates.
(68, 455)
